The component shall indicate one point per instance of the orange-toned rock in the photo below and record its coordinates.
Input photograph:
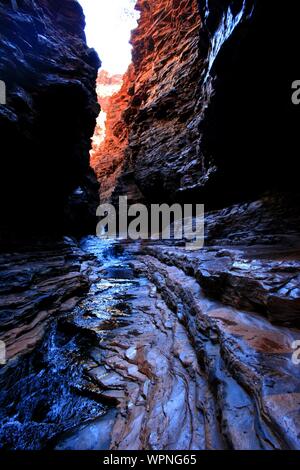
(107, 86)
(150, 122)
(197, 118)
(107, 154)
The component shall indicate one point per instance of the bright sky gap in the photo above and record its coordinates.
(108, 27)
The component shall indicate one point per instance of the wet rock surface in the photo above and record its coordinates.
(245, 360)
(149, 359)
(265, 280)
(36, 285)
(44, 362)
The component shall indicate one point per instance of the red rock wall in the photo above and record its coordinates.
(147, 121)
(208, 100)
(163, 129)
(107, 86)
(107, 157)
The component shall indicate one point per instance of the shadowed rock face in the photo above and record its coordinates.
(50, 114)
(248, 123)
(209, 95)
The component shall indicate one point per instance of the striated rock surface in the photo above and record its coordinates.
(48, 119)
(163, 139)
(203, 113)
(36, 284)
(272, 220)
(107, 156)
(252, 398)
(265, 280)
(171, 367)
(159, 136)
(167, 349)
(201, 128)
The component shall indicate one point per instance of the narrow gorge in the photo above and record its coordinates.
(145, 345)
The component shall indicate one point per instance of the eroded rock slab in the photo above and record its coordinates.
(247, 363)
(148, 360)
(184, 370)
(37, 284)
(261, 279)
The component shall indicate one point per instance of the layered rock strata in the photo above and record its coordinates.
(48, 119)
(36, 285)
(203, 113)
(169, 349)
(156, 106)
(107, 156)
(180, 369)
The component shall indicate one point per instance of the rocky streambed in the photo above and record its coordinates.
(148, 357)
(147, 345)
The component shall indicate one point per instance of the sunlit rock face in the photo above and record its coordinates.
(46, 181)
(209, 96)
(151, 131)
(107, 86)
(111, 134)
(163, 136)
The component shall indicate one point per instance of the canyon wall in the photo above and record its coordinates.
(107, 156)
(156, 105)
(207, 100)
(106, 86)
(47, 185)
(163, 138)
(249, 124)
(148, 345)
